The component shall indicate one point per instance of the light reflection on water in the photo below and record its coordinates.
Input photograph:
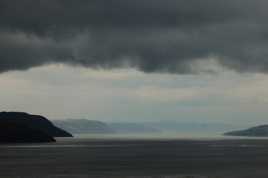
(164, 136)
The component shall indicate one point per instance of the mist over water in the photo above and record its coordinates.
(162, 135)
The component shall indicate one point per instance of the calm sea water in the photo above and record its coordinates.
(166, 155)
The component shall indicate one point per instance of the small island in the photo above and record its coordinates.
(258, 131)
(19, 127)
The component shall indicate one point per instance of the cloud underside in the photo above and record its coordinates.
(152, 35)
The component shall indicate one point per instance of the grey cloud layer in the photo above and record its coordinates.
(151, 35)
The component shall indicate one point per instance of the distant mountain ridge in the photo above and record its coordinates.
(258, 131)
(83, 126)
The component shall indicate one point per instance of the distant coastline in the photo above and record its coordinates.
(155, 128)
(258, 131)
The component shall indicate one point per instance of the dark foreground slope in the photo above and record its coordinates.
(34, 122)
(16, 133)
(259, 131)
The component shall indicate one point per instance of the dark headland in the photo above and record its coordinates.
(19, 127)
(258, 131)
(16, 133)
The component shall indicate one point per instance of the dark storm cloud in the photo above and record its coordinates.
(152, 35)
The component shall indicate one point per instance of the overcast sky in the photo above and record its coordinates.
(185, 60)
